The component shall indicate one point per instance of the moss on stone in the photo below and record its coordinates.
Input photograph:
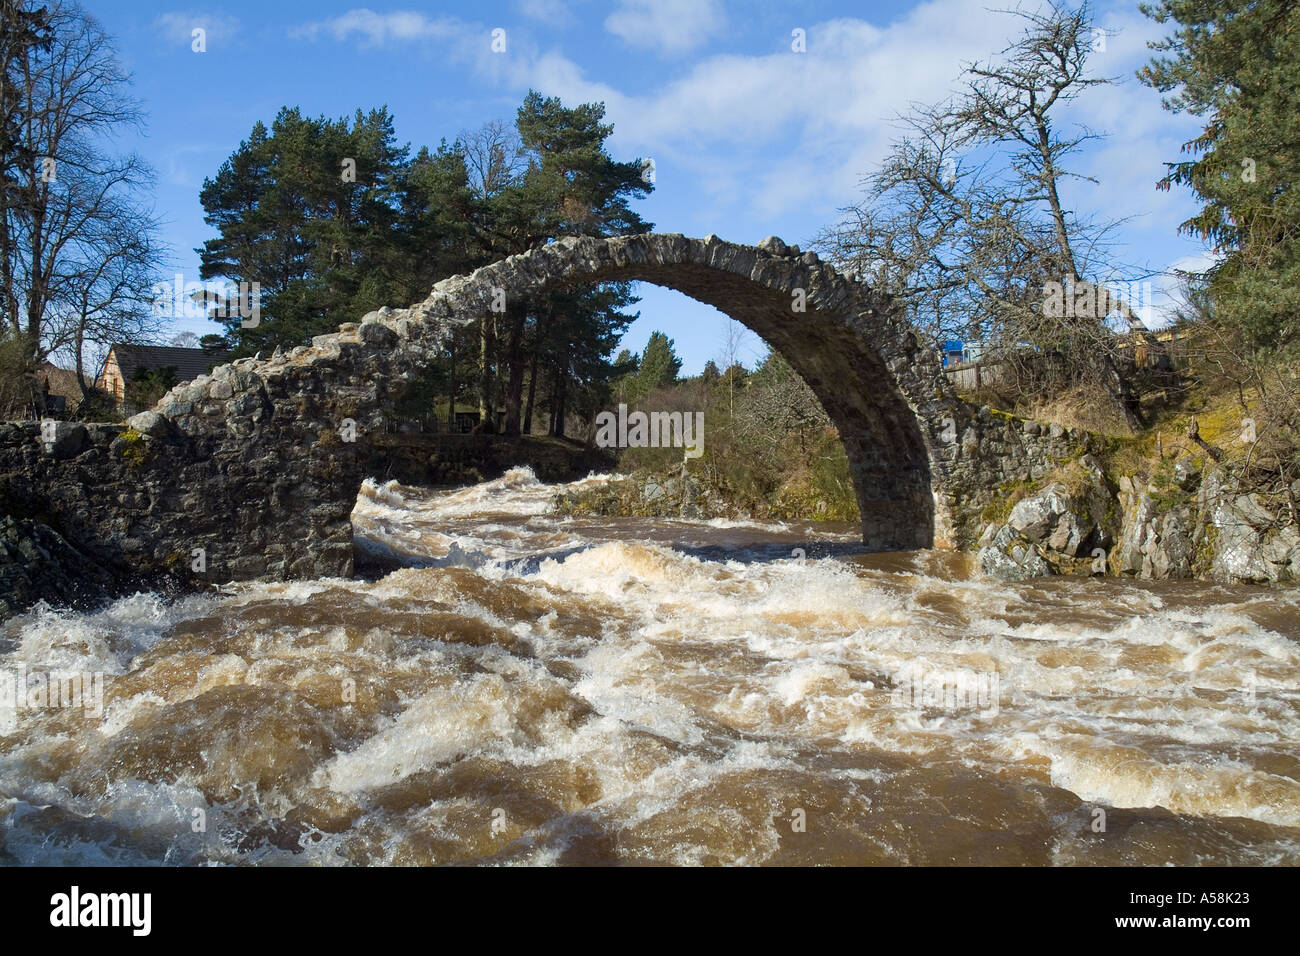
(1165, 491)
(1206, 549)
(134, 451)
(1005, 498)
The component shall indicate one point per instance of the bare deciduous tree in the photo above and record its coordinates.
(76, 244)
(966, 225)
(734, 340)
(108, 292)
(494, 157)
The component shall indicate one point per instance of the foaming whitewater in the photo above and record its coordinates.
(506, 686)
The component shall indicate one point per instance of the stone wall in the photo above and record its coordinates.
(433, 460)
(989, 457)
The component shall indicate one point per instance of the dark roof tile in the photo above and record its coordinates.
(189, 363)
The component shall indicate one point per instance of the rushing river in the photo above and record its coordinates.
(532, 689)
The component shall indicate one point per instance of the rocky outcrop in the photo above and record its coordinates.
(1198, 525)
(1060, 529)
(645, 496)
(1158, 541)
(1187, 522)
(37, 564)
(1005, 553)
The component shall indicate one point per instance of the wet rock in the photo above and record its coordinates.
(38, 564)
(1012, 557)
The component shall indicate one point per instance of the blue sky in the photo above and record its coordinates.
(748, 137)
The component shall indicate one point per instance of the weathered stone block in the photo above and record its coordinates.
(378, 336)
(64, 439)
(150, 424)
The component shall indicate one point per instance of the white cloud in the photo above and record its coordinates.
(784, 133)
(783, 136)
(1167, 295)
(672, 27)
(1141, 137)
(784, 139)
(1197, 263)
(380, 29)
(547, 11)
(178, 27)
(177, 167)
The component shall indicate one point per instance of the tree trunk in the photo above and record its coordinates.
(557, 404)
(79, 363)
(544, 319)
(451, 388)
(6, 275)
(532, 393)
(515, 385)
(486, 392)
(36, 286)
(1121, 392)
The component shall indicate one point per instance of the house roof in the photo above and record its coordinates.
(62, 381)
(189, 363)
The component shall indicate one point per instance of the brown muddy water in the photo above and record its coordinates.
(536, 690)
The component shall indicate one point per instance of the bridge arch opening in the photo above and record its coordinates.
(849, 344)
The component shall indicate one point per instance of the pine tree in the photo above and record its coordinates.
(1236, 64)
(312, 211)
(570, 186)
(326, 246)
(659, 365)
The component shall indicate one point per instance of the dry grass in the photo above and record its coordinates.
(1089, 407)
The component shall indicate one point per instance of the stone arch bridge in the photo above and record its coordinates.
(246, 463)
